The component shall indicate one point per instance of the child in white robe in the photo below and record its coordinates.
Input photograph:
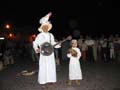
(74, 64)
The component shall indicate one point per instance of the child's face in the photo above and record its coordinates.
(74, 43)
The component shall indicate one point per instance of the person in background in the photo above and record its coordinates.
(84, 48)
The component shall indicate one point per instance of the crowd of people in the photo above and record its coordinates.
(103, 48)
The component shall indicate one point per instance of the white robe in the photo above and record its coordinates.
(47, 67)
(74, 66)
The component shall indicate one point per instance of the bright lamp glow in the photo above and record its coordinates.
(2, 38)
(7, 26)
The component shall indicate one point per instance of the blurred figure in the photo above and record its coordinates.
(84, 49)
(8, 57)
(90, 43)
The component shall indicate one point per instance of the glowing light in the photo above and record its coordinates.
(7, 26)
(33, 35)
(2, 38)
(10, 35)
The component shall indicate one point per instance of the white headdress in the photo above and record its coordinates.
(44, 21)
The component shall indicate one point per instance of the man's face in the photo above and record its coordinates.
(45, 28)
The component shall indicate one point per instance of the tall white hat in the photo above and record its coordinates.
(44, 21)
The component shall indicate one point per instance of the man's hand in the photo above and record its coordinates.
(37, 50)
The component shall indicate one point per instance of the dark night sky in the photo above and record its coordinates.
(27, 12)
(92, 16)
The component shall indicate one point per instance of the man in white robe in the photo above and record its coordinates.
(47, 66)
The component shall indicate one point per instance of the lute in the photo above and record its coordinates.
(47, 49)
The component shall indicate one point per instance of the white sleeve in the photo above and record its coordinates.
(53, 41)
(69, 55)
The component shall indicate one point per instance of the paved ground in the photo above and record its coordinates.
(96, 76)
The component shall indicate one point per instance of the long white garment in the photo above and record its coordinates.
(74, 66)
(47, 67)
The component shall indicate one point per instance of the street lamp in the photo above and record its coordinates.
(7, 26)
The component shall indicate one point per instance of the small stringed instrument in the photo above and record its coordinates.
(47, 49)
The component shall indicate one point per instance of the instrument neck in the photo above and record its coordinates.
(60, 42)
